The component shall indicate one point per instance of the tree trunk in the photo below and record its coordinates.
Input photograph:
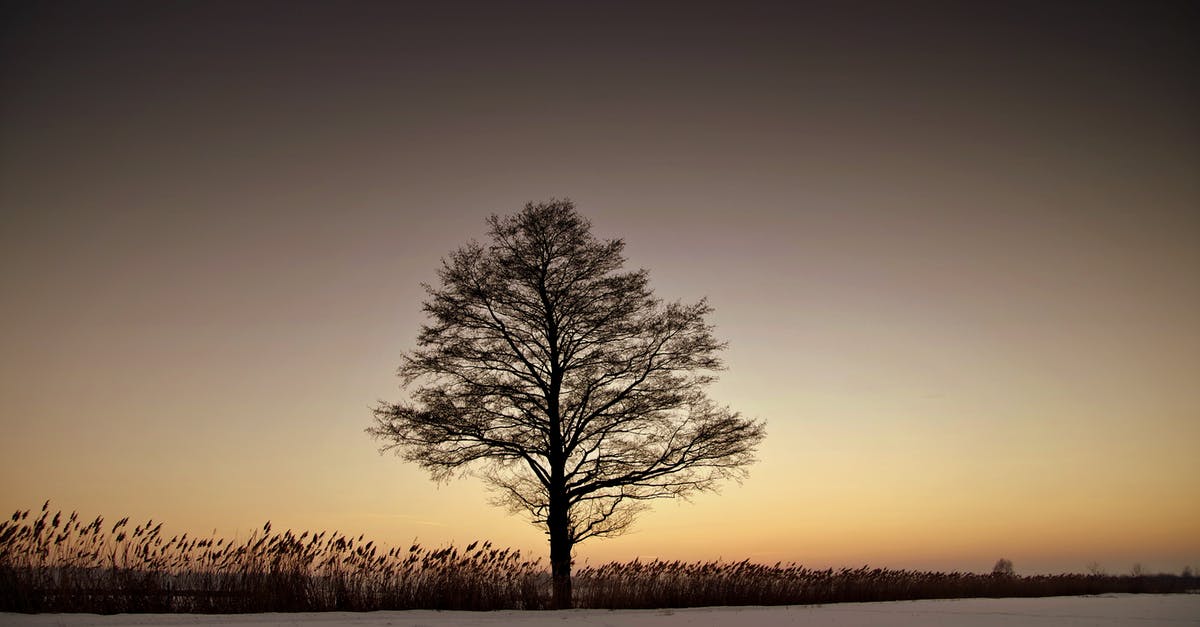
(560, 554)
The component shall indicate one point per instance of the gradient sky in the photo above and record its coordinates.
(955, 248)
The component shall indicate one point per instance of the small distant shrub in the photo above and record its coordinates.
(1003, 568)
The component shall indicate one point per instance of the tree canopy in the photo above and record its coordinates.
(559, 378)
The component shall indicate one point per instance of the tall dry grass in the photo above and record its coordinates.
(51, 562)
(696, 584)
(57, 563)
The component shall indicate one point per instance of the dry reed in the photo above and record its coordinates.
(55, 563)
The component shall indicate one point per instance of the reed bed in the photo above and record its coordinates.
(51, 562)
(60, 563)
(658, 584)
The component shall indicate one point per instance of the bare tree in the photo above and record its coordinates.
(579, 392)
(1003, 568)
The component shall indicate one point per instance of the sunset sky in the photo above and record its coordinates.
(954, 247)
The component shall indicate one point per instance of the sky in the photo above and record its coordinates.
(954, 248)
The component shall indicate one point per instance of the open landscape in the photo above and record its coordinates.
(669, 312)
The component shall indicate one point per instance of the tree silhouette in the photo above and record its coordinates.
(581, 394)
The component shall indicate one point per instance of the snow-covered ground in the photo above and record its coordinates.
(1140, 610)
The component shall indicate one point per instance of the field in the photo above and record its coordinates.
(1106, 611)
(56, 562)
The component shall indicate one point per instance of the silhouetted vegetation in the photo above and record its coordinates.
(50, 562)
(563, 380)
(697, 584)
(57, 563)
